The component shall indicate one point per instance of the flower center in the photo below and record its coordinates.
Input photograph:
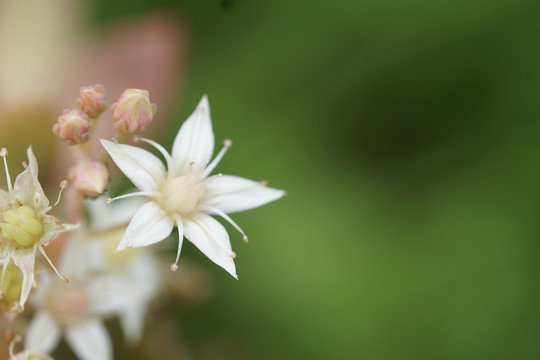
(21, 225)
(181, 193)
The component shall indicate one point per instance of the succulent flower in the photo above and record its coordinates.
(25, 225)
(183, 195)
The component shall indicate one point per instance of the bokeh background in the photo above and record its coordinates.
(406, 134)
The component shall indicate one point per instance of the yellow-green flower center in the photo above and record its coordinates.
(21, 225)
(181, 194)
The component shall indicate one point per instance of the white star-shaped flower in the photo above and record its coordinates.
(24, 223)
(183, 195)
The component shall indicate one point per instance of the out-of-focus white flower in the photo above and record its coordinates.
(183, 195)
(24, 223)
(100, 286)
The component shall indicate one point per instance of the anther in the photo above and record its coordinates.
(191, 163)
(245, 238)
(227, 143)
(3, 152)
(108, 200)
(24, 164)
(264, 183)
(174, 267)
(64, 279)
(233, 255)
(63, 185)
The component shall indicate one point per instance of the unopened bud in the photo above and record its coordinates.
(73, 127)
(133, 111)
(92, 100)
(89, 177)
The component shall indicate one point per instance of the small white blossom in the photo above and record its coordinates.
(183, 195)
(100, 286)
(24, 223)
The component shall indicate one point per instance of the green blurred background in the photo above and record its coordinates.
(406, 134)
(407, 137)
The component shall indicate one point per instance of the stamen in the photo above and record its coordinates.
(138, 193)
(226, 145)
(24, 164)
(63, 185)
(233, 255)
(180, 226)
(16, 339)
(264, 183)
(207, 180)
(160, 148)
(4, 154)
(229, 220)
(62, 277)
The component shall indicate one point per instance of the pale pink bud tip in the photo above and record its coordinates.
(92, 100)
(133, 111)
(89, 177)
(73, 127)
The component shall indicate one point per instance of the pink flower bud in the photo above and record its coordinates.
(92, 100)
(133, 111)
(73, 127)
(89, 177)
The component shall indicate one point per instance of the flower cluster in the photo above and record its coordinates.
(98, 282)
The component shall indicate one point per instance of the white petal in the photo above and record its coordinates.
(195, 141)
(27, 188)
(132, 322)
(212, 239)
(90, 341)
(149, 225)
(143, 168)
(43, 334)
(4, 200)
(233, 194)
(112, 292)
(24, 259)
